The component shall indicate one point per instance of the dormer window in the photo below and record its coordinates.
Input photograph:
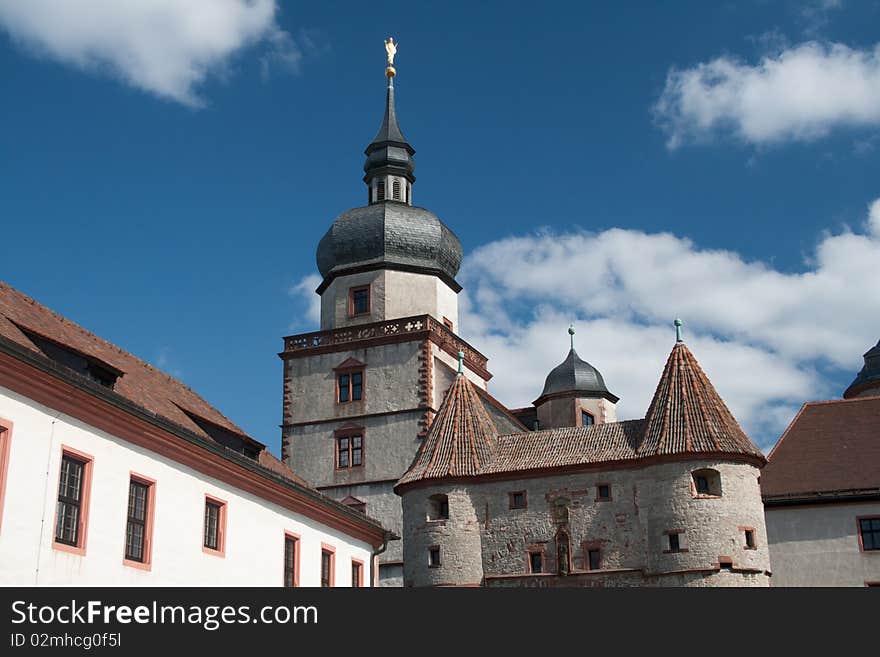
(88, 366)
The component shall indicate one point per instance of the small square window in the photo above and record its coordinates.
(594, 559)
(536, 562)
(603, 492)
(434, 557)
(359, 301)
(518, 499)
(587, 419)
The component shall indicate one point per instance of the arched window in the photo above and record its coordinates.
(706, 483)
(438, 507)
(395, 189)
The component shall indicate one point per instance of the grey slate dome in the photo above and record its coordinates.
(390, 235)
(868, 377)
(575, 375)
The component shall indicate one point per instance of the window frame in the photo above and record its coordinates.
(531, 552)
(5, 449)
(599, 498)
(586, 412)
(588, 561)
(510, 499)
(220, 550)
(713, 483)
(678, 533)
(146, 562)
(432, 563)
(290, 536)
(746, 531)
(349, 386)
(359, 582)
(329, 550)
(85, 493)
(862, 547)
(348, 433)
(351, 301)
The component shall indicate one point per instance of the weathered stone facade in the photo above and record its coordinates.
(485, 542)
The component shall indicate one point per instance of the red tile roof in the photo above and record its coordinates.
(140, 383)
(461, 440)
(688, 415)
(830, 446)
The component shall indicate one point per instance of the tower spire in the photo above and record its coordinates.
(389, 168)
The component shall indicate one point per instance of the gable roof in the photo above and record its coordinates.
(688, 415)
(830, 447)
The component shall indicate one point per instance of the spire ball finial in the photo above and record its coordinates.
(677, 323)
(571, 333)
(460, 361)
(390, 51)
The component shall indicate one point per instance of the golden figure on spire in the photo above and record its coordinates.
(390, 51)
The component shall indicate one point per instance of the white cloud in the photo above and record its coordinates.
(165, 47)
(801, 93)
(304, 292)
(764, 337)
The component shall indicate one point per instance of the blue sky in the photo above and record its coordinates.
(166, 174)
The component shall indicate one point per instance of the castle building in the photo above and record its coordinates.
(821, 489)
(113, 473)
(386, 409)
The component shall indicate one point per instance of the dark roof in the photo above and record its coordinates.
(461, 440)
(688, 415)
(391, 235)
(30, 324)
(390, 151)
(868, 378)
(686, 418)
(830, 446)
(575, 375)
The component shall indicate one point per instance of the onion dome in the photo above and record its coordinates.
(868, 378)
(575, 377)
(687, 415)
(389, 235)
(462, 439)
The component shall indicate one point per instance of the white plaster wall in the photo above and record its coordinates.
(819, 545)
(254, 527)
(393, 294)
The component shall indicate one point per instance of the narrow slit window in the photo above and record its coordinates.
(356, 574)
(434, 557)
(594, 559)
(326, 568)
(750, 539)
(536, 562)
(290, 548)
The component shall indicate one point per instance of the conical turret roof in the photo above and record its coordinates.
(687, 415)
(462, 439)
(390, 152)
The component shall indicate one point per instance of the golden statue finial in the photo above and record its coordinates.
(390, 51)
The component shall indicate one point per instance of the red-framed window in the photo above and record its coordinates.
(291, 559)
(214, 526)
(139, 522)
(359, 301)
(5, 447)
(328, 566)
(349, 386)
(349, 449)
(357, 573)
(72, 509)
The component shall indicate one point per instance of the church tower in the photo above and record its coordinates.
(360, 393)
